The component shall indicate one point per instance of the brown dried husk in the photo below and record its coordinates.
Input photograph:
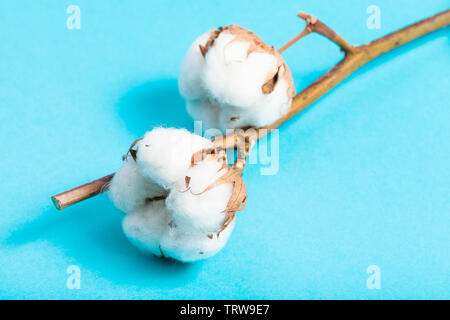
(256, 45)
(131, 151)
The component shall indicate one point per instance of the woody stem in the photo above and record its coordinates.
(317, 26)
(305, 32)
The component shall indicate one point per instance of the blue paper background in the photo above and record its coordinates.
(364, 174)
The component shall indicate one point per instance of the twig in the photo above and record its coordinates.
(355, 57)
(314, 25)
(78, 194)
(302, 34)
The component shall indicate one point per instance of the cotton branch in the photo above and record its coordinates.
(355, 57)
(315, 25)
(78, 194)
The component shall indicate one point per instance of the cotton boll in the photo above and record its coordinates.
(193, 246)
(164, 155)
(129, 189)
(187, 225)
(145, 226)
(195, 209)
(242, 80)
(191, 67)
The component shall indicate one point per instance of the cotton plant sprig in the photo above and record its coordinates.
(185, 209)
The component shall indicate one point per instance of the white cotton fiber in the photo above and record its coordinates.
(197, 215)
(164, 155)
(145, 226)
(195, 209)
(237, 77)
(189, 78)
(264, 113)
(129, 189)
(189, 247)
(235, 51)
(205, 111)
(237, 83)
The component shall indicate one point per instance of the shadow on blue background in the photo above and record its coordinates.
(153, 104)
(91, 233)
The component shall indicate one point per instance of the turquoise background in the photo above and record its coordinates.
(364, 174)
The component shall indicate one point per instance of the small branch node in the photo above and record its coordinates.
(315, 25)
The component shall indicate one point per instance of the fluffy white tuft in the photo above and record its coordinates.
(145, 226)
(205, 111)
(193, 63)
(129, 190)
(164, 155)
(224, 88)
(194, 209)
(189, 247)
(235, 82)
